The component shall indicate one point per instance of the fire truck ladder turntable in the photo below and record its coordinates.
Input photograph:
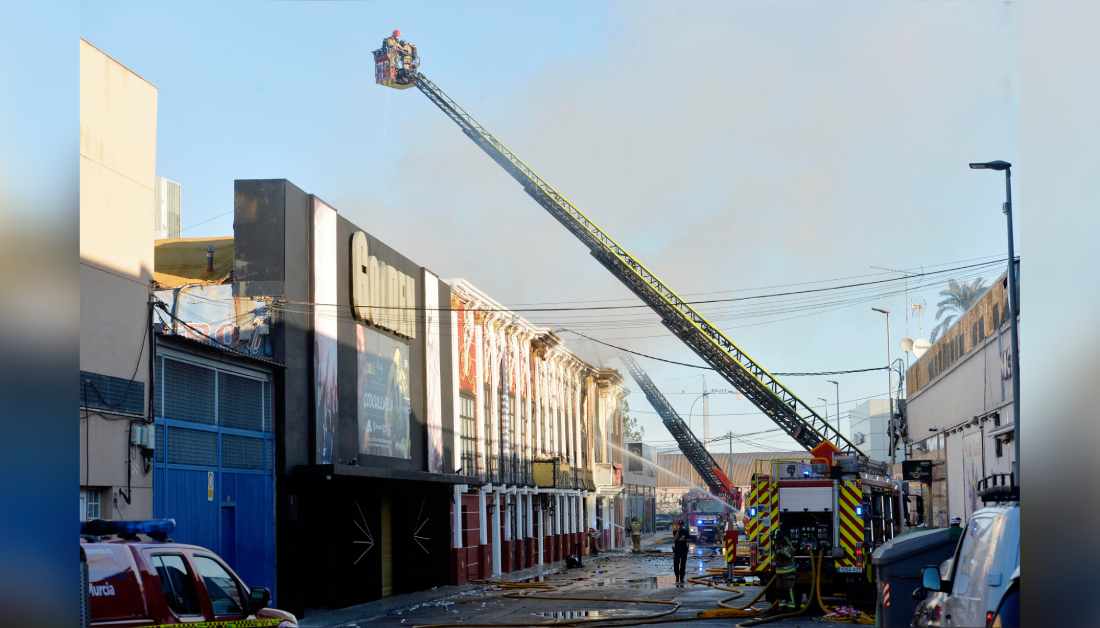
(775, 400)
(694, 450)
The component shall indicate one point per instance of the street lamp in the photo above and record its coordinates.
(837, 384)
(889, 381)
(826, 406)
(692, 409)
(1014, 305)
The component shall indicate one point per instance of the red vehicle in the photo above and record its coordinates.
(705, 516)
(138, 577)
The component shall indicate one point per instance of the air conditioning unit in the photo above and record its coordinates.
(143, 435)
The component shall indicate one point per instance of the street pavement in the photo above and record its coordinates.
(623, 582)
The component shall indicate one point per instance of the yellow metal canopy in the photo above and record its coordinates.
(182, 261)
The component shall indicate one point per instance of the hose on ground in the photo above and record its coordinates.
(861, 618)
(543, 586)
(810, 599)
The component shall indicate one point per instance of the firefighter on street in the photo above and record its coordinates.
(786, 570)
(636, 534)
(680, 552)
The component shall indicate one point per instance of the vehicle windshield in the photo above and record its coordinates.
(708, 507)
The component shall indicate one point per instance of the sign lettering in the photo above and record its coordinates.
(381, 294)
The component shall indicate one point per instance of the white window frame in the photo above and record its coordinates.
(86, 502)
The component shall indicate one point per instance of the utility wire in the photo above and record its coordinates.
(709, 368)
(645, 306)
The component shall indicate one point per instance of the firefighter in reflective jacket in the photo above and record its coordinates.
(786, 570)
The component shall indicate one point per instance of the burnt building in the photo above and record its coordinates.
(364, 427)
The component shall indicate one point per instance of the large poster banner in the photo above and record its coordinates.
(324, 330)
(433, 378)
(384, 408)
(464, 344)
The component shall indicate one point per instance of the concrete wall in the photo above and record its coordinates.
(118, 113)
(958, 418)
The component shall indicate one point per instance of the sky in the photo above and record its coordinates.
(737, 148)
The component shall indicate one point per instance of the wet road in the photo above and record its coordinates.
(615, 586)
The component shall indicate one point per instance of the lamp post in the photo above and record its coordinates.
(826, 406)
(889, 381)
(837, 384)
(692, 409)
(1014, 304)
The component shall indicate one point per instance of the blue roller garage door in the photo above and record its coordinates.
(213, 471)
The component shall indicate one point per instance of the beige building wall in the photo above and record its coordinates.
(118, 113)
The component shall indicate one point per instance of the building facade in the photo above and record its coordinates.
(364, 462)
(959, 411)
(640, 485)
(870, 423)
(535, 438)
(118, 130)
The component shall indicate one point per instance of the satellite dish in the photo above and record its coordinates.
(907, 344)
(920, 347)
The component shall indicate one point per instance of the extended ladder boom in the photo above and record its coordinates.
(696, 453)
(774, 399)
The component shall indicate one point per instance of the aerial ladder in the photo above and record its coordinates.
(694, 450)
(861, 508)
(796, 418)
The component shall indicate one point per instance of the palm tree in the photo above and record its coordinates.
(958, 297)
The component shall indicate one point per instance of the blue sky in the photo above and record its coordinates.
(730, 145)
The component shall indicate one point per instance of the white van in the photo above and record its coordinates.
(985, 561)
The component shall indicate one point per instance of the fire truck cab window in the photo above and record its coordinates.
(177, 584)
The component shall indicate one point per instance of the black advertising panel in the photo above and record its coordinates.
(917, 470)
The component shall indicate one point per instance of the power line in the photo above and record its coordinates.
(645, 306)
(203, 222)
(709, 368)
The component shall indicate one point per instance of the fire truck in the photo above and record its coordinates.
(834, 501)
(836, 507)
(705, 515)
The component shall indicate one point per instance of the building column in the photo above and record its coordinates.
(506, 546)
(483, 566)
(578, 523)
(542, 534)
(609, 521)
(558, 537)
(530, 530)
(458, 553)
(519, 542)
(495, 523)
(569, 531)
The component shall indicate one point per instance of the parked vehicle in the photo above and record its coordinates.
(1008, 614)
(986, 563)
(138, 576)
(663, 522)
(929, 610)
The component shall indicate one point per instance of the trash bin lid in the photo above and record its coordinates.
(911, 543)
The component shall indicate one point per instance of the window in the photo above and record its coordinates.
(524, 451)
(89, 504)
(1000, 445)
(505, 430)
(490, 468)
(177, 584)
(225, 595)
(468, 427)
(974, 552)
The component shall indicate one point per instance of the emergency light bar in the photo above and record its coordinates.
(157, 529)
